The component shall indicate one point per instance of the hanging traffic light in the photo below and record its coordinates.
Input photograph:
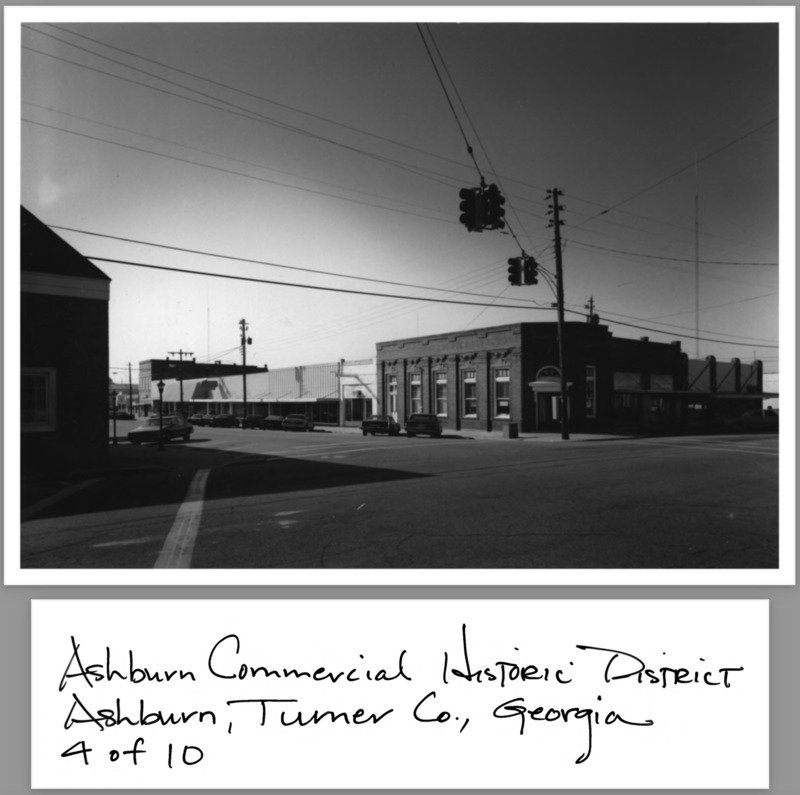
(471, 208)
(515, 270)
(494, 211)
(529, 270)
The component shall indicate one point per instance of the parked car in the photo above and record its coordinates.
(297, 422)
(380, 423)
(224, 421)
(273, 422)
(174, 426)
(255, 421)
(121, 415)
(200, 419)
(764, 420)
(428, 424)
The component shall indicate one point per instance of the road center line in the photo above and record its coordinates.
(179, 544)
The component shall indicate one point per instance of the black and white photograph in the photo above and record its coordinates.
(498, 297)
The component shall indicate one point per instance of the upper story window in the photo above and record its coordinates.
(469, 407)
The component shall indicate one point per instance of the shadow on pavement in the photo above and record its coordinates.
(137, 476)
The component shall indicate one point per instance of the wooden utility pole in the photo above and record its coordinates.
(130, 388)
(245, 340)
(556, 224)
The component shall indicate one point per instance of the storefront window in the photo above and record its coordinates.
(591, 392)
(470, 392)
(415, 393)
(441, 394)
(37, 407)
(502, 393)
(391, 391)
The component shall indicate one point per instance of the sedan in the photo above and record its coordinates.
(174, 426)
(255, 421)
(757, 420)
(224, 421)
(380, 423)
(428, 424)
(297, 422)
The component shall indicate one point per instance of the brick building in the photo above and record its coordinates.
(490, 378)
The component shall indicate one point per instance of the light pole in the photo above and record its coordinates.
(160, 386)
(114, 412)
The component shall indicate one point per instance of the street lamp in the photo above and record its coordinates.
(160, 386)
(114, 412)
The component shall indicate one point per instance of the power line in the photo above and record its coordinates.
(238, 173)
(235, 110)
(692, 165)
(674, 259)
(424, 299)
(259, 97)
(270, 264)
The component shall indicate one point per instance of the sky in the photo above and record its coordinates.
(301, 155)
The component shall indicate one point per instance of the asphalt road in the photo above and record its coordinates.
(233, 499)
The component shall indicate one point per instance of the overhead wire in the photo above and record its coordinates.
(193, 163)
(425, 299)
(249, 114)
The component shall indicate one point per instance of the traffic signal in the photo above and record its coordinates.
(471, 208)
(529, 270)
(515, 270)
(493, 208)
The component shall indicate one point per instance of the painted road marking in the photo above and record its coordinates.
(179, 544)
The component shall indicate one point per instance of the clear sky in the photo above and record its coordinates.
(330, 154)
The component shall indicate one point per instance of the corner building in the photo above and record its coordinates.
(491, 378)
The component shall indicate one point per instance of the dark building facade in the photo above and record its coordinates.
(491, 378)
(64, 353)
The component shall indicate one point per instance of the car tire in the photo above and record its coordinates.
(410, 435)
(186, 437)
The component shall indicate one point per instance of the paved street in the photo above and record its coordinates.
(232, 499)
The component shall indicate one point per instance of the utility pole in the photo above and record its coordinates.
(556, 223)
(130, 388)
(180, 354)
(245, 341)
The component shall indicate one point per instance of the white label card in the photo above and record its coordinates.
(400, 694)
